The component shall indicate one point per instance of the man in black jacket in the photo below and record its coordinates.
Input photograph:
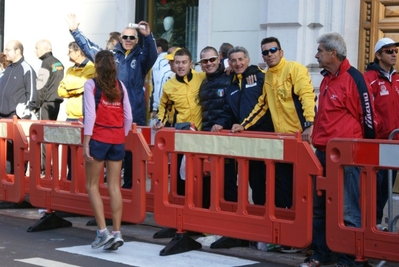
(17, 86)
(49, 77)
(212, 99)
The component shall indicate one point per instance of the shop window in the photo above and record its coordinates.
(177, 22)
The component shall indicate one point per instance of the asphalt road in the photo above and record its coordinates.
(70, 247)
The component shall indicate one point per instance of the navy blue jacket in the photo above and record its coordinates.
(241, 101)
(132, 68)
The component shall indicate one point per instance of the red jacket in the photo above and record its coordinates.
(340, 112)
(386, 99)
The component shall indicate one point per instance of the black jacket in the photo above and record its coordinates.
(212, 95)
(18, 85)
(49, 77)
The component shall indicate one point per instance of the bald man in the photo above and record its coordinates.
(17, 86)
(49, 77)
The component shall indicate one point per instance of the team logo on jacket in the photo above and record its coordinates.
(281, 93)
(383, 90)
(133, 64)
(220, 92)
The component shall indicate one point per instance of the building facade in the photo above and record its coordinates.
(199, 23)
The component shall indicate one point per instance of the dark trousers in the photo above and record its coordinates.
(230, 184)
(382, 191)
(128, 170)
(284, 183)
(69, 158)
(257, 181)
(48, 111)
(10, 157)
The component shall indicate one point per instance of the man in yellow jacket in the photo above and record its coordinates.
(289, 95)
(182, 90)
(71, 86)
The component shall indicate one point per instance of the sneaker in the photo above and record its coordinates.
(116, 243)
(310, 263)
(382, 228)
(102, 239)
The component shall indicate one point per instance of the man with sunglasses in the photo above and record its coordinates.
(384, 83)
(133, 63)
(289, 95)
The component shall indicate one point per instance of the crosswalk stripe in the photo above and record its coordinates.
(45, 263)
(145, 254)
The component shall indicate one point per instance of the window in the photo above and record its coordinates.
(174, 20)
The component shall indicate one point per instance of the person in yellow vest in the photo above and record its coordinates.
(71, 87)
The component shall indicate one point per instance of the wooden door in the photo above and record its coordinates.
(378, 19)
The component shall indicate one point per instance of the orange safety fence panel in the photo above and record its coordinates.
(54, 192)
(242, 220)
(148, 135)
(371, 155)
(14, 141)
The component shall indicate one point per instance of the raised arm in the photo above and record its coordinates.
(89, 48)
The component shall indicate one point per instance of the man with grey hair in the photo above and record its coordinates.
(341, 114)
(49, 77)
(241, 98)
(133, 63)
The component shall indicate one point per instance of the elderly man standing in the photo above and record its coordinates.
(49, 77)
(17, 86)
(344, 94)
(133, 64)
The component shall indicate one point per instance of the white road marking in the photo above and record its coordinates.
(147, 255)
(45, 263)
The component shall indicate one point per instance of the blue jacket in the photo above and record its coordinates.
(240, 101)
(132, 68)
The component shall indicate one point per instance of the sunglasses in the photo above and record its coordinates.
(211, 59)
(390, 51)
(130, 37)
(271, 50)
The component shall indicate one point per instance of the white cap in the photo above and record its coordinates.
(384, 42)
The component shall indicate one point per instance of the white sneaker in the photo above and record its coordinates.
(102, 239)
(116, 243)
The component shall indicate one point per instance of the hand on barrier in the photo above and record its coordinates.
(216, 128)
(237, 128)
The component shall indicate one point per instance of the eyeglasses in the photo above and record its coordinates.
(271, 50)
(390, 51)
(211, 59)
(130, 37)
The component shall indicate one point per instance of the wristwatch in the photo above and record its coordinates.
(307, 124)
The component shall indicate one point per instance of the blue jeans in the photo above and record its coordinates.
(382, 191)
(352, 215)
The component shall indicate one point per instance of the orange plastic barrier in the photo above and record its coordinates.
(54, 192)
(370, 155)
(265, 225)
(13, 187)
